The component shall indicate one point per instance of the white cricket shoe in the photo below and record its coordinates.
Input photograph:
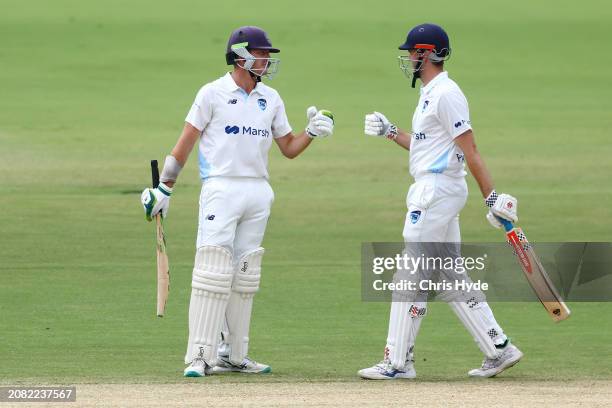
(385, 371)
(224, 365)
(197, 368)
(493, 366)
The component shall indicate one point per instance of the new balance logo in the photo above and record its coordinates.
(232, 129)
(232, 101)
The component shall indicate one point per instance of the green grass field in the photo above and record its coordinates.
(91, 91)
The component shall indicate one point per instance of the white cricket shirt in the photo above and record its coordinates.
(237, 128)
(441, 115)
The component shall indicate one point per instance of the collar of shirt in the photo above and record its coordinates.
(437, 79)
(230, 85)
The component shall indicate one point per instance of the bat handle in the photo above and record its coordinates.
(507, 224)
(154, 173)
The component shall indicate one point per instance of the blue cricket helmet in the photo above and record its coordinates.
(254, 37)
(428, 37)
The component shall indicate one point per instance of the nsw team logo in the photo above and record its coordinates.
(424, 106)
(414, 216)
(262, 104)
(232, 129)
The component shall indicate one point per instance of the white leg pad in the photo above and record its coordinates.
(404, 323)
(210, 290)
(238, 314)
(478, 319)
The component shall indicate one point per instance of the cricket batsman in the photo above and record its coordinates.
(234, 119)
(440, 143)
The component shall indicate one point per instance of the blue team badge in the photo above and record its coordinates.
(414, 216)
(424, 106)
(262, 104)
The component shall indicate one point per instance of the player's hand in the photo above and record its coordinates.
(156, 200)
(377, 124)
(320, 122)
(503, 206)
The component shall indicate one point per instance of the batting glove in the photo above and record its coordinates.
(377, 124)
(320, 123)
(503, 206)
(156, 200)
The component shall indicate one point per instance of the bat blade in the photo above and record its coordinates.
(163, 268)
(537, 276)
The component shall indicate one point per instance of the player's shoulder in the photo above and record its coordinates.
(207, 91)
(448, 87)
(212, 85)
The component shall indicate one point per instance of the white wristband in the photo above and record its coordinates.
(171, 170)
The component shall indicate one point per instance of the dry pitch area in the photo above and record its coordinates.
(489, 393)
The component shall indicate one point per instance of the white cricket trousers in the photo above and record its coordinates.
(234, 213)
(434, 202)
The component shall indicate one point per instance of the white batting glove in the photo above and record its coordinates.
(377, 124)
(156, 200)
(504, 206)
(320, 122)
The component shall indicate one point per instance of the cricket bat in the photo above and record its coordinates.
(535, 273)
(163, 269)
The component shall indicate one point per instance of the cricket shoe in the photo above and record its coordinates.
(224, 365)
(385, 371)
(197, 368)
(493, 366)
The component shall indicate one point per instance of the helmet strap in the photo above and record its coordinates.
(417, 71)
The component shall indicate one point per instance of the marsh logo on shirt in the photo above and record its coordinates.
(232, 129)
(247, 130)
(461, 123)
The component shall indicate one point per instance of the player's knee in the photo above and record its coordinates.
(248, 273)
(213, 269)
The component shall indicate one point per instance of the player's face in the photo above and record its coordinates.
(414, 58)
(260, 65)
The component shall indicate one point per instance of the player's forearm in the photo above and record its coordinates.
(296, 144)
(403, 139)
(480, 172)
(183, 147)
(185, 143)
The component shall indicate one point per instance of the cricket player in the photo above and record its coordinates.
(440, 144)
(234, 119)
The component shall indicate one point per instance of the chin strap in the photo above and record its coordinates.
(417, 71)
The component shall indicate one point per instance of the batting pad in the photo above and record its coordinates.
(238, 314)
(210, 289)
(404, 323)
(478, 319)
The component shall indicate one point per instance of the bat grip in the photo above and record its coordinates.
(507, 224)
(154, 173)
